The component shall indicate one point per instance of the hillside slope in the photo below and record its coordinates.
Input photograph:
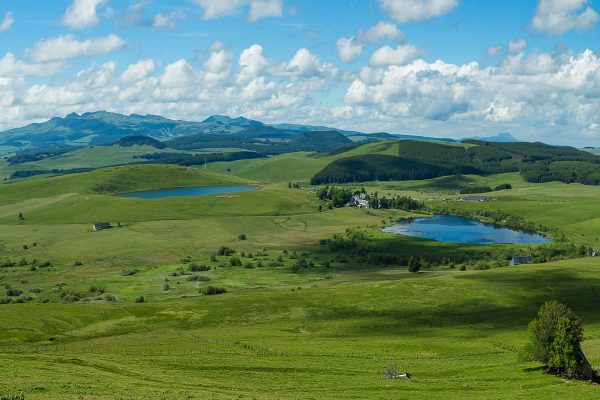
(537, 162)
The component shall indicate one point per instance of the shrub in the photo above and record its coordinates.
(555, 337)
(248, 265)
(463, 267)
(504, 186)
(225, 251)
(196, 278)
(45, 264)
(109, 297)
(166, 287)
(140, 299)
(275, 263)
(198, 268)
(235, 262)
(391, 371)
(35, 290)
(242, 236)
(129, 272)
(70, 297)
(213, 258)
(13, 292)
(212, 290)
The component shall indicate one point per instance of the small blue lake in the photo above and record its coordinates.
(453, 229)
(187, 191)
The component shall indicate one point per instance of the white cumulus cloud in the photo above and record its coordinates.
(7, 21)
(68, 46)
(257, 9)
(138, 71)
(559, 16)
(264, 9)
(403, 11)
(389, 56)
(82, 13)
(167, 20)
(349, 48)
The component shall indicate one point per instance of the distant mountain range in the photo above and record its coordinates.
(503, 137)
(104, 128)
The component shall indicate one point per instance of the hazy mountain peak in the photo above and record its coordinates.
(501, 137)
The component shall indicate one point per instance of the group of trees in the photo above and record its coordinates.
(338, 197)
(405, 203)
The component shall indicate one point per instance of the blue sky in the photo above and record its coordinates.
(437, 67)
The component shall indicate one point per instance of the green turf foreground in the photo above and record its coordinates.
(312, 336)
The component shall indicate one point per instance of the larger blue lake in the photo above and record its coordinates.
(452, 229)
(188, 191)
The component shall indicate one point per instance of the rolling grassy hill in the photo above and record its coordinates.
(537, 162)
(113, 180)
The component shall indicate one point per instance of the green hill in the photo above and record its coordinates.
(140, 140)
(114, 180)
(537, 162)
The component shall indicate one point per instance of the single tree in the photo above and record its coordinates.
(555, 339)
(413, 265)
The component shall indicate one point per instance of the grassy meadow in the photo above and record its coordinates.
(324, 332)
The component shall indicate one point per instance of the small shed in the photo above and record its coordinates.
(100, 226)
(519, 260)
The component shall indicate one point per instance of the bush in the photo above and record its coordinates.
(248, 265)
(140, 299)
(13, 292)
(197, 278)
(212, 290)
(166, 287)
(225, 251)
(70, 297)
(129, 272)
(555, 337)
(235, 262)
(504, 186)
(391, 371)
(242, 236)
(198, 268)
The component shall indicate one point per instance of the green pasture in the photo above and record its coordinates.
(326, 334)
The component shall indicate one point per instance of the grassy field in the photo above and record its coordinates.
(324, 332)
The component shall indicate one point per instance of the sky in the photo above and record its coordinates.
(443, 68)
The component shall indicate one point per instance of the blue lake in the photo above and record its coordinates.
(188, 191)
(452, 229)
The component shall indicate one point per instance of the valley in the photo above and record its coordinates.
(127, 305)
